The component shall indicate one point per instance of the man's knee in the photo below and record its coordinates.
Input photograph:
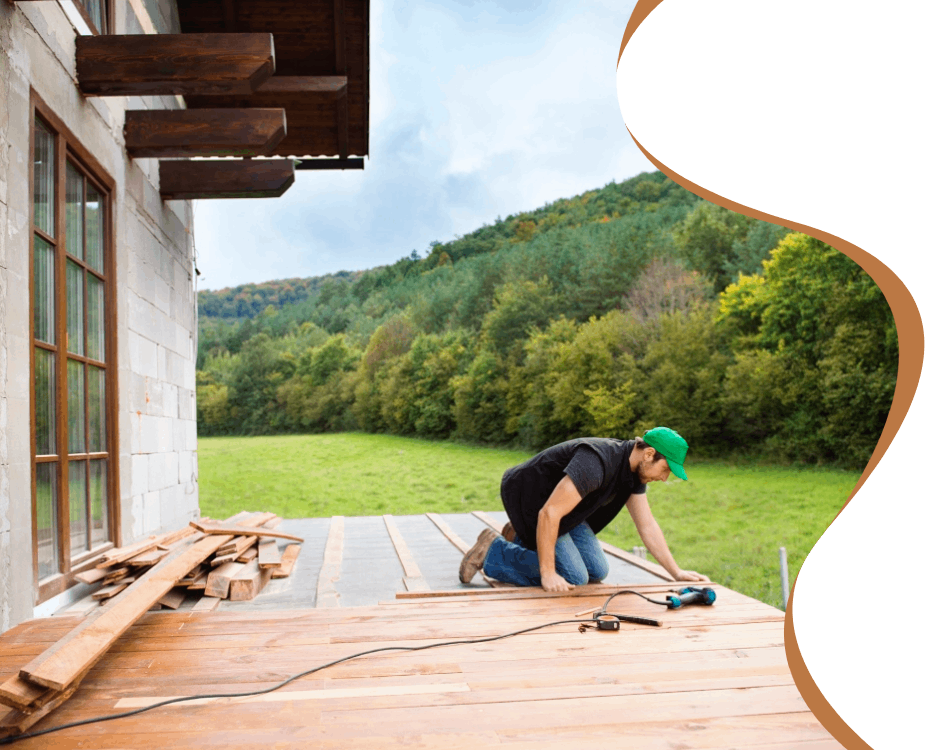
(576, 576)
(599, 571)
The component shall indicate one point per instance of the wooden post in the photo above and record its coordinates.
(251, 178)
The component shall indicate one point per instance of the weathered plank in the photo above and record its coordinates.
(150, 557)
(143, 64)
(203, 132)
(206, 604)
(290, 555)
(250, 178)
(247, 555)
(248, 582)
(17, 722)
(107, 592)
(121, 554)
(173, 598)
(92, 576)
(72, 655)
(262, 533)
(219, 579)
(326, 594)
(268, 554)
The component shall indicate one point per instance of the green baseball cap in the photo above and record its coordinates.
(671, 445)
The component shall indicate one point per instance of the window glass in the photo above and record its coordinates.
(99, 510)
(43, 291)
(96, 406)
(45, 402)
(43, 166)
(75, 308)
(94, 214)
(47, 517)
(96, 345)
(74, 212)
(76, 405)
(77, 499)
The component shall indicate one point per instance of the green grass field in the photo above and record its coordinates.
(727, 521)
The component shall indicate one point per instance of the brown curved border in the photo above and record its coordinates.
(911, 336)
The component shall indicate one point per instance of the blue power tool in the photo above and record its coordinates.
(691, 595)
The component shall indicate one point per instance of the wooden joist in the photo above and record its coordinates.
(317, 88)
(413, 579)
(147, 64)
(250, 178)
(322, 87)
(203, 132)
(326, 594)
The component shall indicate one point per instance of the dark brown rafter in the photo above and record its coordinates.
(250, 178)
(145, 64)
(203, 132)
(314, 164)
(326, 87)
(340, 66)
(317, 88)
(230, 12)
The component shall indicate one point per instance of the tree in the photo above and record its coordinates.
(707, 238)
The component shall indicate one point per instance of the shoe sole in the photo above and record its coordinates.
(467, 568)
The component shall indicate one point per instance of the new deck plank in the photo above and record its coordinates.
(327, 595)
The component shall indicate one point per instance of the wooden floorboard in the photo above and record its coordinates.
(710, 677)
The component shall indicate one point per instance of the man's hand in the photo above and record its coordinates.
(555, 582)
(689, 575)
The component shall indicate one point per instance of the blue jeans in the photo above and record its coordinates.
(579, 559)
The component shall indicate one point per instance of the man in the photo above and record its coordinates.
(561, 498)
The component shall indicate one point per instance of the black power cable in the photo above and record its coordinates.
(97, 719)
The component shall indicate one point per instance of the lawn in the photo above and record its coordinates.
(727, 521)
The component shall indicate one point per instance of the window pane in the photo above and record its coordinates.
(96, 396)
(43, 291)
(95, 9)
(94, 229)
(76, 403)
(77, 500)
(43, 170)
(44, 403)
(46, 511)
(75, 308)
(74, 212)
(95, 339)
(99, 513)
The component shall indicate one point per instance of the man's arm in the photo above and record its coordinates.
(561, 502)
(651, 534)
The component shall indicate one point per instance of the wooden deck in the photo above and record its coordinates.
(710, 677)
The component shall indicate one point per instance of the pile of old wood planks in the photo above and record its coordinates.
(156, 571)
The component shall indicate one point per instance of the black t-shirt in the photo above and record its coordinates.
(599, 469)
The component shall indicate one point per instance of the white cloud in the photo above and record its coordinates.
(476, 111)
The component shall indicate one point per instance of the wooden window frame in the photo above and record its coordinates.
(108, 16)
(68, 148)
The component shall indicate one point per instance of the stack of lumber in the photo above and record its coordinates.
(155, 571)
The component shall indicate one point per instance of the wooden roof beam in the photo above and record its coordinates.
(144, 64)
(327, 163)
(203, 132)
(332, 87)
(246, 178)
(340, 65)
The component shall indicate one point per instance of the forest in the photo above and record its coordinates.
(608, 313)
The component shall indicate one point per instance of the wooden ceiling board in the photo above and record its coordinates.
(304, 43)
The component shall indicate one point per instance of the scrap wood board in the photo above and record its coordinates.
(712, 677)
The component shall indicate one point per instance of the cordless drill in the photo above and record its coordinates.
(691, 595)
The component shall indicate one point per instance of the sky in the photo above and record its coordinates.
(477, 110)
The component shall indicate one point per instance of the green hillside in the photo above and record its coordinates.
(621, 308)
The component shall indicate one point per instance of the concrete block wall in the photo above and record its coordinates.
(155, 289)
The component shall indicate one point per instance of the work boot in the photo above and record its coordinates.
(473, 559)
(508, 532)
